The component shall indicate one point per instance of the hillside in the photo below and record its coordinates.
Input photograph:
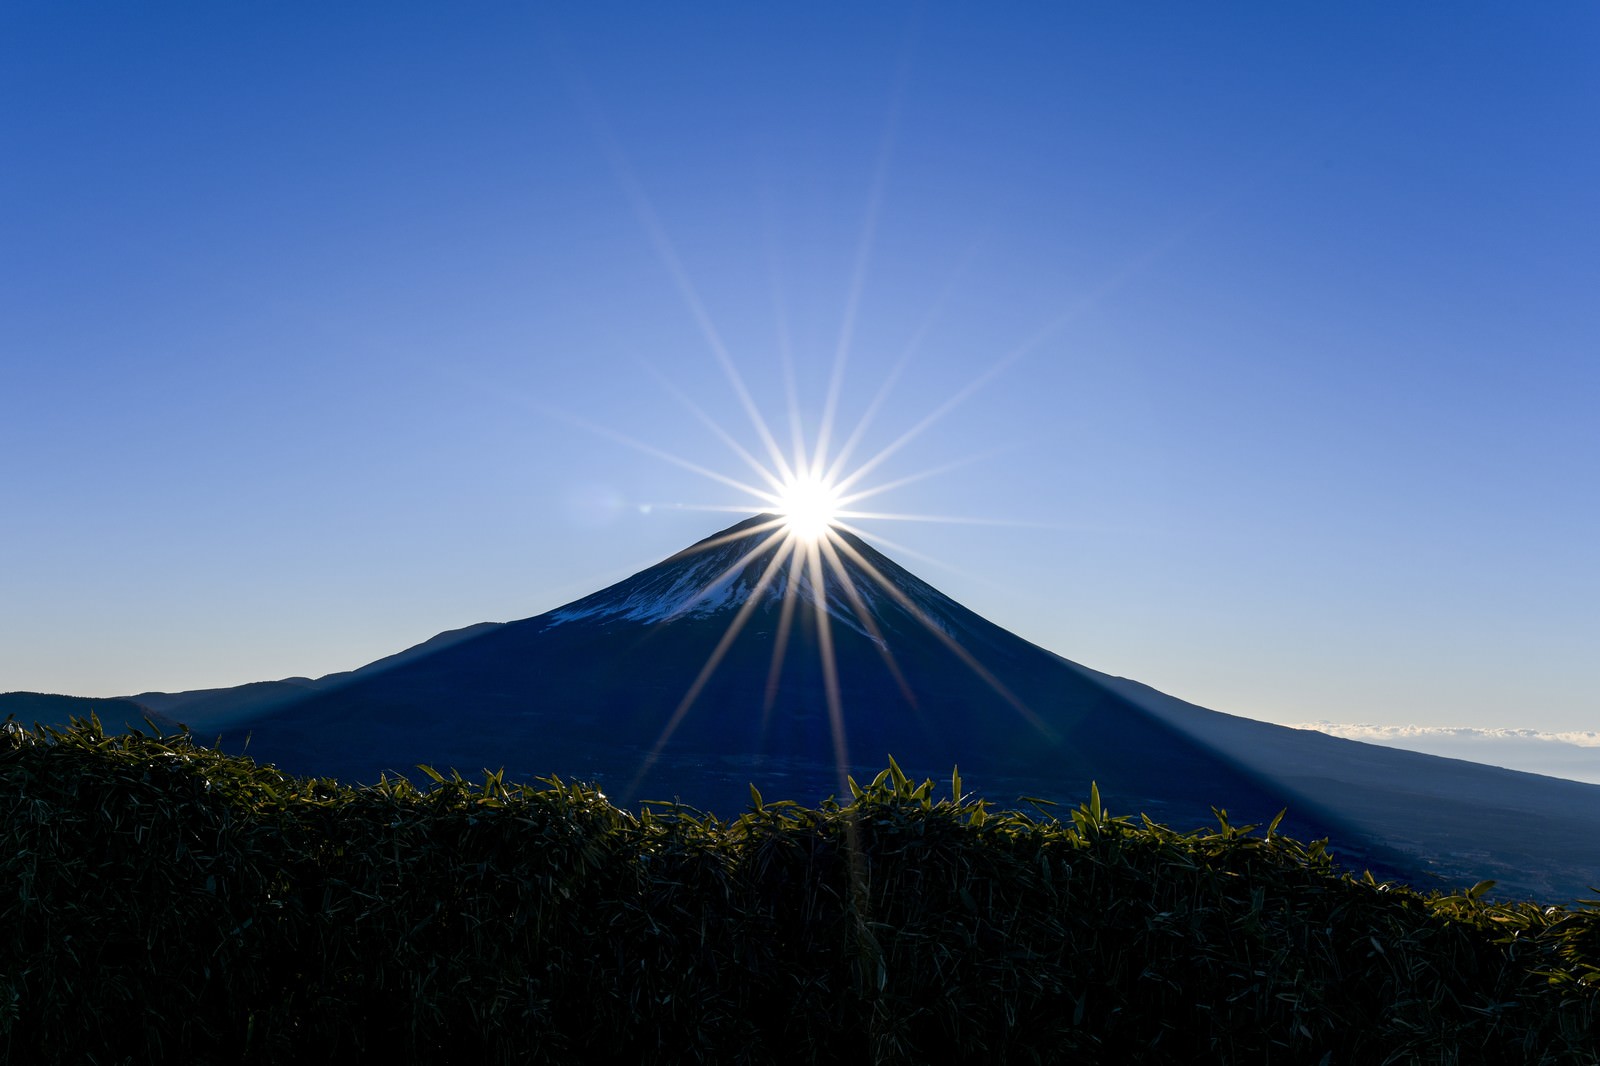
(52, 709)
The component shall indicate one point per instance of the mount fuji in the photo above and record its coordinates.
(734, 663)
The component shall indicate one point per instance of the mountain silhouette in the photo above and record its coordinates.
(731, 664)
(597, 689)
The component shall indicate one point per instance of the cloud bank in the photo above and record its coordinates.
(1573, 754)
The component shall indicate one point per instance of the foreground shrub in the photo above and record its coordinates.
(175, 904)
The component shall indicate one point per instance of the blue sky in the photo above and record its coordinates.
(319, 325)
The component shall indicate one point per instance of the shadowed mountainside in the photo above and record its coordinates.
(599, 690)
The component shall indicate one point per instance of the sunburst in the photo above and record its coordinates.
(812, 491)
(803, 546)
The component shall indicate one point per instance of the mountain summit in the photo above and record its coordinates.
(755, 657)
(748, 563)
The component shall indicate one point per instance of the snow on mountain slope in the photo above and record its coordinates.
(722, 573)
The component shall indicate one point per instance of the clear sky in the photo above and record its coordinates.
(319, 325)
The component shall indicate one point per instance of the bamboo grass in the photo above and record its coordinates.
(171, 903)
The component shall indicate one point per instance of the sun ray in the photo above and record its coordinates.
(821, 468)
(650, 450)
(858, 273)
(669, 256)
(735, 627)
(727, 538)
(714, 508)
(781, 640)
(907, 354)
(950, 642)
(791, 387)
(909, 479)
(902, 551)
(954, 520)
(879, 541)
(713, 339)
(1043, 333)
(739, 564)
(645, 213)
(873, 406)
(775, 480)
(830, 667)
(931, 418)
(864, 615)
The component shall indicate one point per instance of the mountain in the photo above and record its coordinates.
(1535, 836)
(597, 689)
(712, 671)
(116, 714)
(209, 709)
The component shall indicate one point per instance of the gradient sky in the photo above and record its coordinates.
(318, 325)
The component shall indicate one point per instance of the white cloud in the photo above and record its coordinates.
(1583, 738)
(1573, 754)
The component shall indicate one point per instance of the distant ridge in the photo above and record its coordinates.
(116, 714)
(214, 708)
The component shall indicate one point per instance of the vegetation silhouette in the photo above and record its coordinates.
(174, 903)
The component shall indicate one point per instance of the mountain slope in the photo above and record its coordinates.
(593, 689)
(217, 708)
(701, 675)
(597, 689)
(1534, 835)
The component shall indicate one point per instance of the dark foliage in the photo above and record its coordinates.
(172, 903)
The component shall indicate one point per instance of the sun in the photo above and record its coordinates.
(808, 503)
